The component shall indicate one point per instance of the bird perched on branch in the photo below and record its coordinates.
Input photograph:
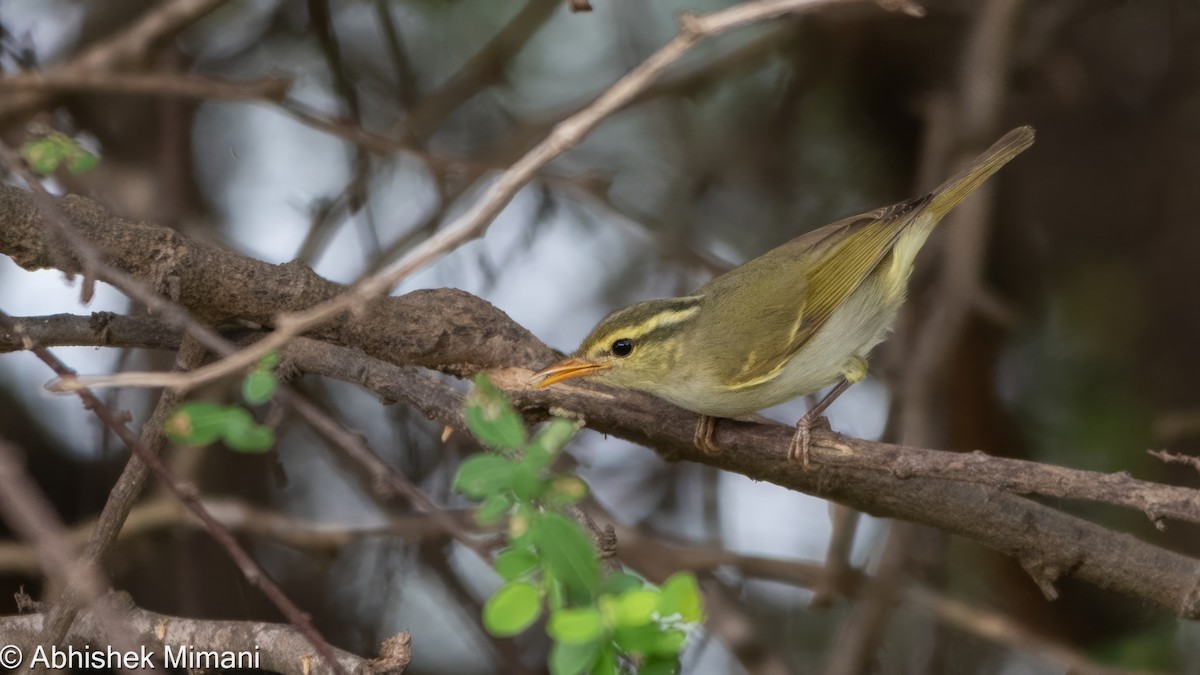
(789, 323)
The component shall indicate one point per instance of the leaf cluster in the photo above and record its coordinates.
(55, 149)
(600, 623)
(200, 423)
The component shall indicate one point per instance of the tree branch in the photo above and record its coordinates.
(277, 647)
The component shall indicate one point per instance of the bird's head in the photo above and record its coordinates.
(636, 347)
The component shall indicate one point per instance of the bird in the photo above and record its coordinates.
(789, 323)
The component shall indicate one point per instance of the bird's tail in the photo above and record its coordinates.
(949, 194)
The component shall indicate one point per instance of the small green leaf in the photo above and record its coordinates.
(258, 386)
(243, 434)
(659, 666)
(606, 664)
(566, 490)
(251, 440)
(483, 475)
(549, 441)
(196, 424)
(650, 640)
(639, 640)
(636, 607)
(554, 591)
(619, 582)
(567, 552)
(681, 595)
(669, 643)
(492, 419)
(269, 361)
(513, 608)
(493, 509)
(573, 659)
(514, 564)
(43, 155)
(575, 626)
(81, 161)
(526, 484)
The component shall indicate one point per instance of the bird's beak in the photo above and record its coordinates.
(565, 370)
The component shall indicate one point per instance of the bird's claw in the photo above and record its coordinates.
(799, 448)
(704, 436)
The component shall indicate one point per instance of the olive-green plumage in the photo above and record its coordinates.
(796, 319)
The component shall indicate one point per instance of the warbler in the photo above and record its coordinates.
(789, 323)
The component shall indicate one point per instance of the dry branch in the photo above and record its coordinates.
(278, 647)
(458, 333)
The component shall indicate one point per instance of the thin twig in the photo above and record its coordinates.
(32, 517)
(162, 20)
(475, 221)
(158, 84)
(250, 569)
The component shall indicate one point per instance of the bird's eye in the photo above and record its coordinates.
(622, 347)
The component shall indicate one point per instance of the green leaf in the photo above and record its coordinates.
(258, 387)
(484, 475)
(572, 659)
(526, 484)
(514, 564)
(639, 640)
(554, 591)
(659, 666)
(251, 440)
(566, 490)
(650, 640)
(619, 582)
(81, 161)
(196, 424)
(606, 664)
(43, 154)
(567, 552)
(636, 607)
(243, 434)
(549, 441)
(519, 532)
(669, 643)
(575, 626)
(269, 361)
(681, 595)
(513, 608)
(492, 419)
(493, 509)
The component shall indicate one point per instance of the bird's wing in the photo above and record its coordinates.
(829, 264)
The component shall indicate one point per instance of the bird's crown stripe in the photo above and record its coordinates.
(669, 316)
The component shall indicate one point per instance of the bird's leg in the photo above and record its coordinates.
(704, 435)
(798, 450)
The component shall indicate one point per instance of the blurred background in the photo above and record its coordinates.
(1057, 320)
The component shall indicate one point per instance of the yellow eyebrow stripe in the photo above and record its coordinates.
(663, 319)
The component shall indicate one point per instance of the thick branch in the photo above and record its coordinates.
(278, 647)
(456, 332)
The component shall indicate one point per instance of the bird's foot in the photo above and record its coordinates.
(704, 435)
(798, 451)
